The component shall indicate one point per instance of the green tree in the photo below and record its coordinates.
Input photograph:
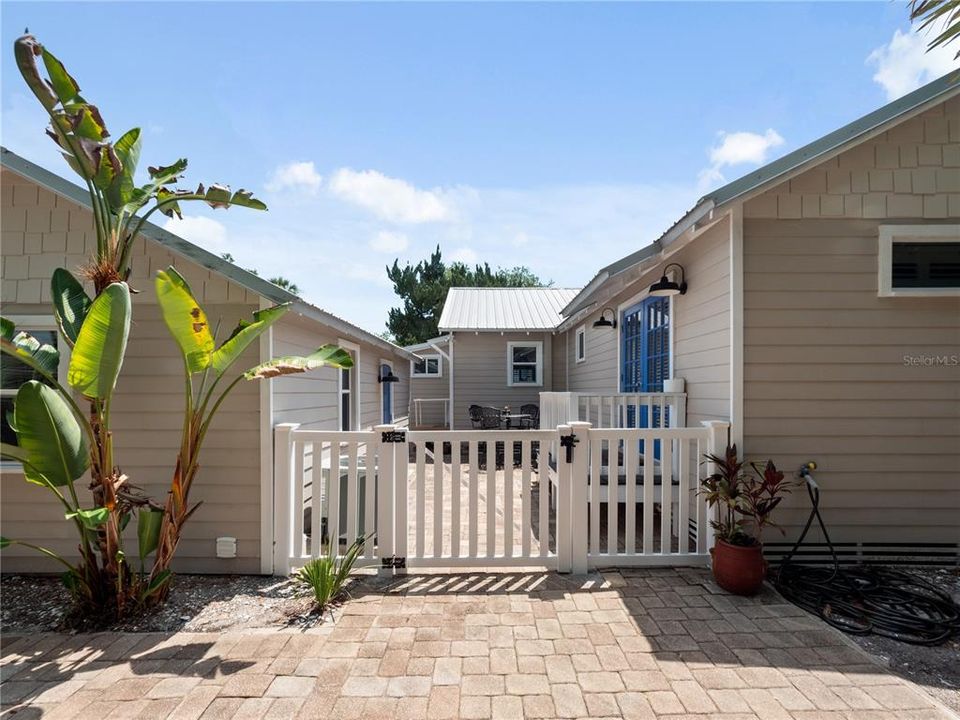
(932, 12)
(423, 287)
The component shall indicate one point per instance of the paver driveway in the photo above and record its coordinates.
(644, 644)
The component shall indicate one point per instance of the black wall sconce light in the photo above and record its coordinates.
(388, 378)
(603, 322)
(665, 287)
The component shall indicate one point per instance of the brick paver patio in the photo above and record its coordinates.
(642, 644)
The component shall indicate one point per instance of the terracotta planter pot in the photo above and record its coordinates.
(738, 569)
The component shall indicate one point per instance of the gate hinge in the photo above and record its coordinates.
(394, 436)
(568, 441)
(397, 563)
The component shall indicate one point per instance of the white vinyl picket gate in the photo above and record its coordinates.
(568, 499)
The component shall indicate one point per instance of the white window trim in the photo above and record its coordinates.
(538, 344)
(29, 323)
(430, 375)
(580, 332)
(890, 234)
(354, 390)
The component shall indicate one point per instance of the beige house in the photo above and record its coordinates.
(497, 351)
(46, 224)
(821, 317)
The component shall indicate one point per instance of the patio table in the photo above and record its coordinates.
(510, 417)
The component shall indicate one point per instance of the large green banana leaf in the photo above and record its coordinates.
(326, 355)
(244, 334)
(185, 319)
(70, 303)
(52, 442)
(101, 344)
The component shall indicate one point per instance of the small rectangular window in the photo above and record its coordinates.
(524, 363)
(919, 260)
(426, 366)
(581, 344)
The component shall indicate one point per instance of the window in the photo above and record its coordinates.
(581, 343)
(346, 404)
(524, 363)
(426, 366)
(919, 260)
(349, 389)
(14, 373)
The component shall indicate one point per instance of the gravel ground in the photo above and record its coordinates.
(198, 603)
(935, 668)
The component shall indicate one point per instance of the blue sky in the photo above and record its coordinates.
(556, 136)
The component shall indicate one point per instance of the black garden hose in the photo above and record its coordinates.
(866, 599)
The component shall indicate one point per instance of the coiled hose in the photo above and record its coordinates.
(866, 599)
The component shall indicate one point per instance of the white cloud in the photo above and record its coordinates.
(389, 242)
(295, 176)
(390, 198)
(203, 231)
(465, 255)
(737, 148)
(904, 64)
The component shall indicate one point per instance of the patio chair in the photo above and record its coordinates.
(484, 418)
(532, 422)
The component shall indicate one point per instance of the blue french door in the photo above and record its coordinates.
(386, 390)
(645, 356)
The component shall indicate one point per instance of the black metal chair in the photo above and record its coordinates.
(532, 422)
(485, 418)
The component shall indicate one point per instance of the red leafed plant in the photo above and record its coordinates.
(746, 499)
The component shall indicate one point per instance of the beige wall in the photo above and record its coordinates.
(312, 399)
(422, 387)
(701, 328)
(824, 370)
(41, 231)
(910, 171)
(825, 379)
(480, 372)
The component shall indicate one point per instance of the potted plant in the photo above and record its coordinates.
(746, 497)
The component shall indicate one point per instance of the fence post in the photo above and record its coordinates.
(564, 557)
(386, 504)
(282, 481)
(578, 497)
(716, 445)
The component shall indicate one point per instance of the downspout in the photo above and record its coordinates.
(450, 393)
(736, 325)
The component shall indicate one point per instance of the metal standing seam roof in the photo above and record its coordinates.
(774, 172)
(197, 254)
(504, 309)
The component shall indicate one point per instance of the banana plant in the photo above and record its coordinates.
(208, 381)
(58, 443)
(120, 206)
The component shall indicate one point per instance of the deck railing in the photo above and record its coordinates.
(614, 410)
(494, 498)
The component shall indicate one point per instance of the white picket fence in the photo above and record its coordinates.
(569, 498)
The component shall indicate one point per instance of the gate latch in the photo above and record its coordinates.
(568, 441)
(394, 436)
(397, 563)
